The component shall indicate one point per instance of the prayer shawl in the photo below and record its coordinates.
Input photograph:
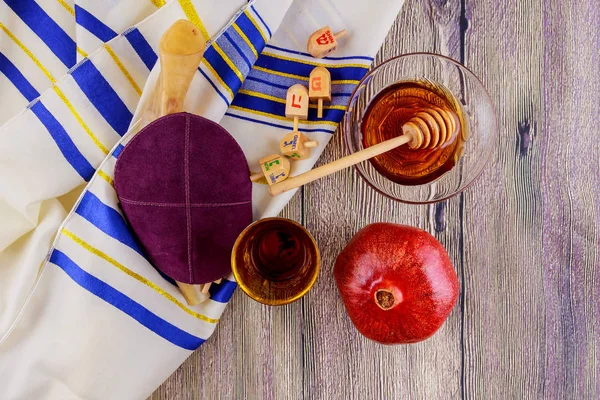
(83, 314)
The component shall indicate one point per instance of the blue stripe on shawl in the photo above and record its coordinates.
(245, 118)
(57, 40)
(141, 47)
(107, 219)
(17, 79)
(103, 96)
(262, 20)
(93, 24)
(276, 108)
(63, 141)
(119, 300)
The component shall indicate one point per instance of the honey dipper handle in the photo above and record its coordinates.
(337, 165)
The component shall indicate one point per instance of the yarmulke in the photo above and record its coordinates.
(183, 184)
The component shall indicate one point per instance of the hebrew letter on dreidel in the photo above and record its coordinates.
(275, 168)
(296, 104)
(296, 146)
(319, 87)
(323, 42)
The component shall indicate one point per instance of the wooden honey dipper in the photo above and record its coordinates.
(428, 129)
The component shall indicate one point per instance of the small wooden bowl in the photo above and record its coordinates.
(275, 261)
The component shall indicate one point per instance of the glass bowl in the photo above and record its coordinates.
(479, 122)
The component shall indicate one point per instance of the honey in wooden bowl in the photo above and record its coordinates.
(390, 110)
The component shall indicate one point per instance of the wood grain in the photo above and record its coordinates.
(570, 198)
(503, 253)
(524, 239)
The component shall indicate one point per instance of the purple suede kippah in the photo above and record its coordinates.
(183, 184)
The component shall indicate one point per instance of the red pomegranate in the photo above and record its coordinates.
(397, 283)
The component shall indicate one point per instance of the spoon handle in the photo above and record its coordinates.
(337, 165)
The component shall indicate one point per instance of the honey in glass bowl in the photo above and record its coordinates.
(390, 110)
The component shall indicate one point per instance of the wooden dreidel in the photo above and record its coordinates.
(323, 42)
(275, 168)
(296, 146)
(296, 104)
(319, 87)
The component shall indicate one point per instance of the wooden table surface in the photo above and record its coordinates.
(524, 238)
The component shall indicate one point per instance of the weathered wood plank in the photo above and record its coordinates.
(504, 310)
(340, 363)
(531, 298)
(570, 195)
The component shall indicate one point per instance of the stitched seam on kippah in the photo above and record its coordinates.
(179, 205)
(188, 209)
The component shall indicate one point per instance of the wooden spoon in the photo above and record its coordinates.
(421, 132)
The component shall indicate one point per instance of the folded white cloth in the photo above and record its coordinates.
(98, 321)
